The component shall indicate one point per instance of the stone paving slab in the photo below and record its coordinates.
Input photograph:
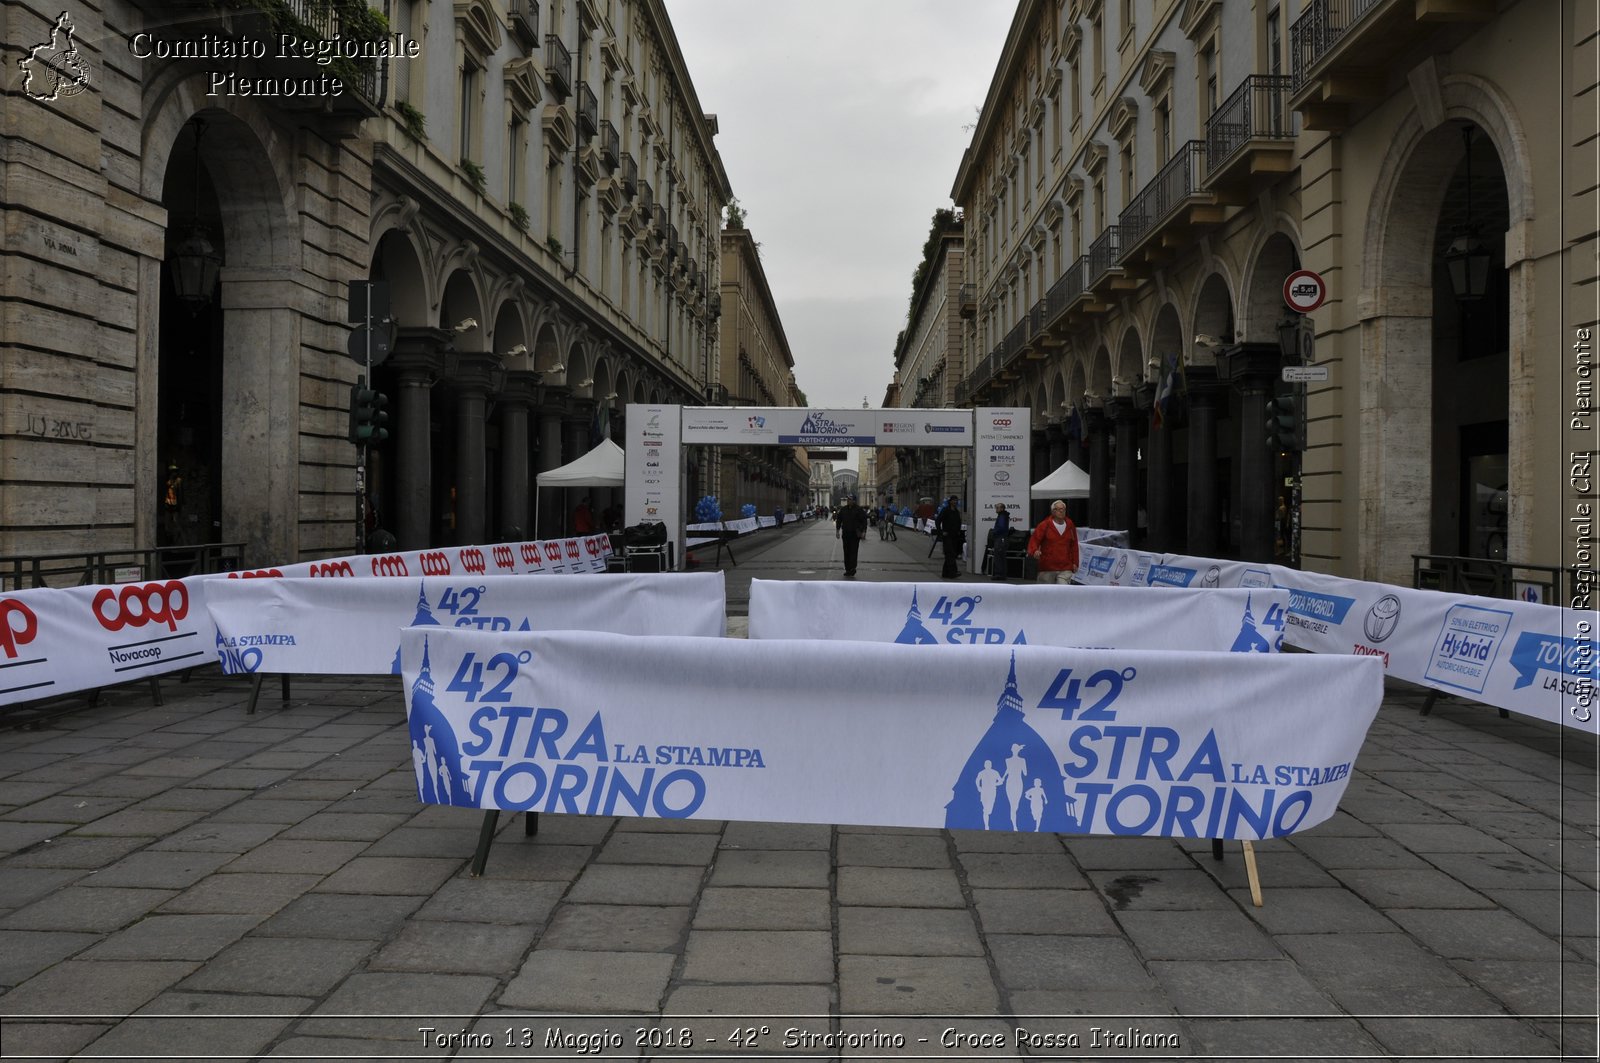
(193, 862)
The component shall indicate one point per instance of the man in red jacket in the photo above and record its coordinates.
(1055, 543)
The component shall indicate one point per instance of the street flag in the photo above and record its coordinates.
(1159, 410)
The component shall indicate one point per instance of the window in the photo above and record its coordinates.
(1098, 44)
(516, 151)
(1125, 23)
(1274, 43)
(1099, 205)
(1163, 131)
(1077, 234)
(468, 127)
(1128, 187)
(1208, 78)
(405, 21)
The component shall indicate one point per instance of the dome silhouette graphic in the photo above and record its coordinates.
(914, 633)
(424, 618)
(435, 753)
(995, 790)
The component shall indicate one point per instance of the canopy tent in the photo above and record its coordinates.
(601, 467)
(1069, 481)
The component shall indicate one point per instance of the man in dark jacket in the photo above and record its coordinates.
(852, 528)
(948, 527)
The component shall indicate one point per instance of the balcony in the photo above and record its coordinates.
(311, 21)
(660, 222)
(968, 298)
(1250, 138)
(524, 16)
(610, 146)
(647, 198)
(630, 176)
(588, 112)
(1340, 51)
(1103, 255)
(557, 67)
(1165, 213)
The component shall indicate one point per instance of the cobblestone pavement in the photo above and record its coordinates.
(191, 881)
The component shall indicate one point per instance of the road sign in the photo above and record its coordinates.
(1304, 291)
(379, 338)
(1304, 374)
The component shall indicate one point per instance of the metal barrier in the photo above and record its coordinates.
(86, 568)
(1488, 578)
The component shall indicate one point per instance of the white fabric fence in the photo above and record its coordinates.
(1122, 742)
(1004, 614)
(319, 626)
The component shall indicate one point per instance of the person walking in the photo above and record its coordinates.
(1055, 543)
(851, 529)
(950, 532)
(999, 538)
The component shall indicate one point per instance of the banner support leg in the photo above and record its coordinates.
(255, 692)
(1216, 848)
(530, 825)
(1250, 873)
(480, 859)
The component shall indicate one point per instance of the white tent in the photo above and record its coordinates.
(601, 467)
(1069, 481)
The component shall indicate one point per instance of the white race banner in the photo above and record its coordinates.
(585, 554)
(1003, 614)
(57, 641)
(1030, 738)
(352, 627)
(800, 426)
(1538, 660)
(1177, 570)
(1105, 566)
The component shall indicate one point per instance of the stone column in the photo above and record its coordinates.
(575, 444)
(1125, 416)
(521, 392)
(1158, 477)
(548, 504)
(417, 361)
(1204, 393)
(473, 380)
(1253, 369)
(1099, 467)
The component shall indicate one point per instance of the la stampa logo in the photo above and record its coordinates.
(55, 69)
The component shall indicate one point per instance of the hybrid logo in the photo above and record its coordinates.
(138, 604)
(1468, 642)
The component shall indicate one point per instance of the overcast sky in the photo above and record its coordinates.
(842, 124)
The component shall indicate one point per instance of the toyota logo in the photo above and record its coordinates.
(1382, 618)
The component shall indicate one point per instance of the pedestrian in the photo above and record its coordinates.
(583, 518)
(998, 539)
(851, 528)
(948, 528)
(1055, 543)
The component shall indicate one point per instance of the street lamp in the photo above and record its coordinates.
(1289, 335)
(1467, 259)
(195, 262)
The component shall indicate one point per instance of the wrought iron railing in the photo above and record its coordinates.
(1318, 29)
(324, 20)
(1489, 578)
(1257, 109)
(524, 19)
(588, 111)
(647, 198)
(1103, 254)
(630, 174)
(660, 219)
(610, 145)
(1175, 182)
(86, 568)
(557, 66)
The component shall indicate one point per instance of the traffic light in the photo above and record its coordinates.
(1286, 425)
(367, 414)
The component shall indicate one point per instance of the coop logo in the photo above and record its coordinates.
(18, 626)
(1382, 618)
(592, 547)
(1002, 422)
(434, 563)
(471, 559)
(55, 69)
(331, 568)
(552, 551)
(756, 423)
(260, 573)
(139, 604)
(530, 555)
(573, 551)
(504, 558)
(1467, 644)
(390, 565)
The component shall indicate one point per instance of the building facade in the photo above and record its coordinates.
(755, 368)
(535, 187)
(1147, 174)
(929, 366)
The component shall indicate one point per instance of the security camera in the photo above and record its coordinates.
(1203, 340)
(466, 324)
(521, 348)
